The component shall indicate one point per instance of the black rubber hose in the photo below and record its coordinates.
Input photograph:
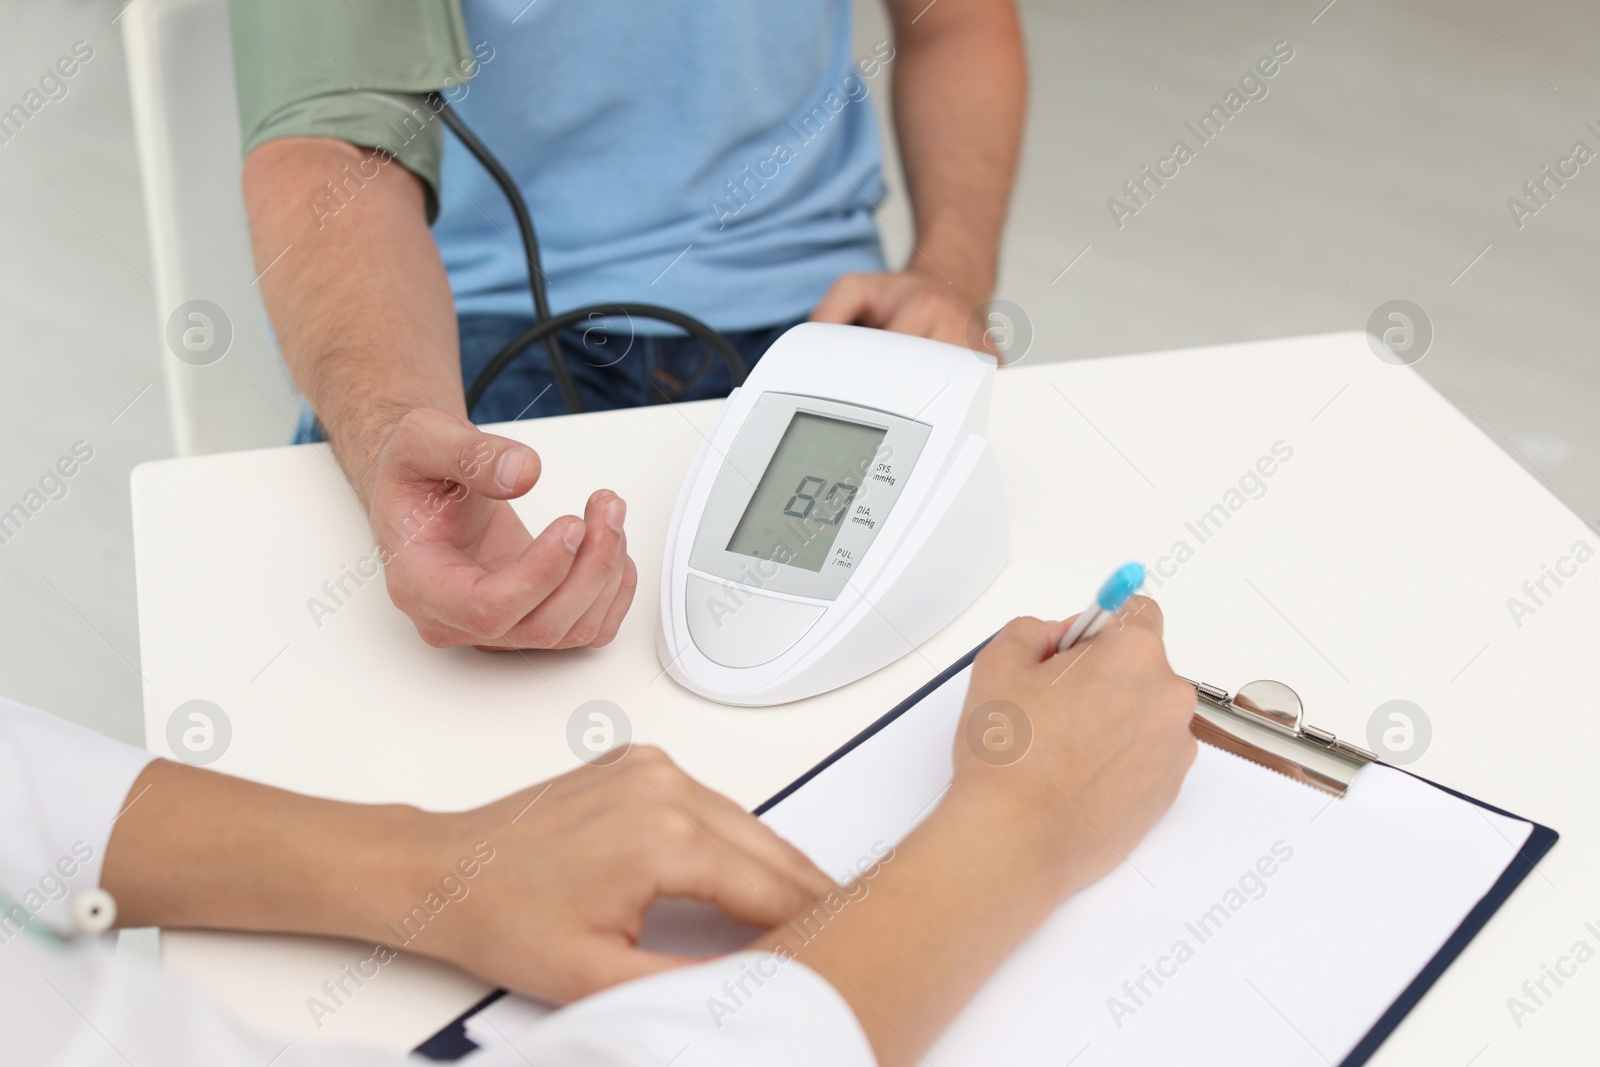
(543, 330)
(545, 327)
(530, 247)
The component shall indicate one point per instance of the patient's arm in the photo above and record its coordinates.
(361, 307)
(1110, 747)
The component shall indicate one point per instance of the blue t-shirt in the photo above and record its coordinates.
(719, 157)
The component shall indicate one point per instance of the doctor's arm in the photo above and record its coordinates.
(178, 845)
(363, 312)
(960, 92)
(546, 890)
(1008, 843)
(542, 891)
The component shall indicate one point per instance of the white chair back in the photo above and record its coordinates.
(227, 386)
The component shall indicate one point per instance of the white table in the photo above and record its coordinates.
(1390, 498)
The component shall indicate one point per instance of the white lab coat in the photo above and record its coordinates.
(80, 1004)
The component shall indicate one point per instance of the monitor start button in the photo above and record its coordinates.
(738, 627)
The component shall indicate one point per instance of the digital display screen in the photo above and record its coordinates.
(807, 491)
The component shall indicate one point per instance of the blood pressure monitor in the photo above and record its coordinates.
(844, 507)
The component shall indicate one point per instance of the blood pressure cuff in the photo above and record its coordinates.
(355, 70)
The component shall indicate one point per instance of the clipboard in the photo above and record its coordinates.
(1263, 723)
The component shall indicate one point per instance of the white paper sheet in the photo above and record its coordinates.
(1260, 922)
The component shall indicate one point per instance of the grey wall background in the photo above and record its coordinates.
(1377, 167)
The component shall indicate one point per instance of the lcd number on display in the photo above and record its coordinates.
(808, 492)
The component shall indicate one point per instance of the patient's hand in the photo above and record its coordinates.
(917, 301)
(461, 564)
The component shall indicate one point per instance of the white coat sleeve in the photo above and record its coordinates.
(60, 788)
(743, 1009)
(87, 1007)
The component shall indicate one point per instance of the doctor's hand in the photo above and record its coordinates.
(544, 891)
(580, 859)
(462, 565)
(915, 301)
(1062, 763)
(1084, 748)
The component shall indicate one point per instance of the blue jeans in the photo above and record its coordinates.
(611, 370)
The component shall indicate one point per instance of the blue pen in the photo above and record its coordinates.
(1127, 581)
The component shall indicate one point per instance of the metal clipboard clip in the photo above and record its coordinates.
(1264, 722)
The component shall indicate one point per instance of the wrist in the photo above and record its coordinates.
(359, 416)
(358, 440)
(1027, 824)
(953, 260)
(426, 865)
(399, 854)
